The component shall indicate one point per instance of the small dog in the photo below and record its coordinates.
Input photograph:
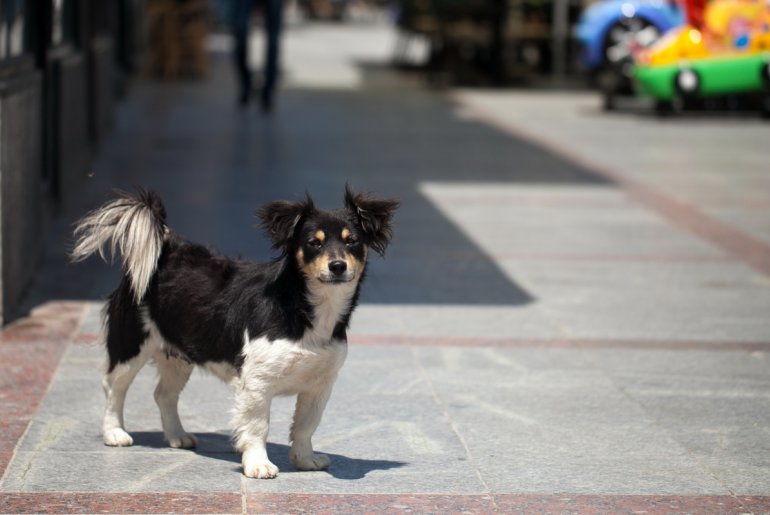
(267, 329)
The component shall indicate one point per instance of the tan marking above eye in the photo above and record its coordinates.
(345, 234)
(320, 236)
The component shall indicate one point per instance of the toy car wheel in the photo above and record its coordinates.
(610, 85)
(619, 43)
(608, 101)
(687, 82)
(664, 108)
(766, 75)
(623, 38)
(765, 108)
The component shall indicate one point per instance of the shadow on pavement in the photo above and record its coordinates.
(214, 165)
(218, 446)
(342, 467)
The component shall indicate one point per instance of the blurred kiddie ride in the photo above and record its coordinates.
(726, 51)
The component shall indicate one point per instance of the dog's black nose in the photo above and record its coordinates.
(338, 267)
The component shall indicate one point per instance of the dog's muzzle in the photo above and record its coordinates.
(338, 272)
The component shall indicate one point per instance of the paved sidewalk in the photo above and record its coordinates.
(572, 318)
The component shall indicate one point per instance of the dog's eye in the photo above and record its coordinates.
(351, 240)
(314, 242)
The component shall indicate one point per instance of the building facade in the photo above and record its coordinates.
(61, 64)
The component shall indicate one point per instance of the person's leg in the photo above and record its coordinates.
(273, 26)
(241, 16)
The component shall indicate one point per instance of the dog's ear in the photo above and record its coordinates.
(374, 215)
(281, 218)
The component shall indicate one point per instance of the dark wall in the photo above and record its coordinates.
(22, 202)
(57, 95)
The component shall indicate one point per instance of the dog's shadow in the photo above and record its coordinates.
(219, 446)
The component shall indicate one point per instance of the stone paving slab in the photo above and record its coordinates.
(659, 301)
(560, 223)
(585, 299)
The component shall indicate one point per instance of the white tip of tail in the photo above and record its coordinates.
(134, 226)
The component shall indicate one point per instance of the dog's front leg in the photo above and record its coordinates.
(252, 423)
(307, 416)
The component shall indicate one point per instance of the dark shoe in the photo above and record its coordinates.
(266, 102)
(245, 90)
(244, 98)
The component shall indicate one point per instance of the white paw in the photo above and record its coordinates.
(314, 461)
(117, 437)
(259, 469)
(183, 441)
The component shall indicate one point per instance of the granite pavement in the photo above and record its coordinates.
(572, 317)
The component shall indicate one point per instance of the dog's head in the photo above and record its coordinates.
(330, 246)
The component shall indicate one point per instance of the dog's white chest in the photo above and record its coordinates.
(288, 367)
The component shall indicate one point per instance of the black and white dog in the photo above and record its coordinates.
(267, 329)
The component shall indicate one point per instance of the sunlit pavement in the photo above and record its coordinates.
(573, 315)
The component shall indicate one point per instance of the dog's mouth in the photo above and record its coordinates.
(330, 278)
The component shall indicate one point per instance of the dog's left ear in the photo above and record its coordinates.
(281, 218)
(375, 217)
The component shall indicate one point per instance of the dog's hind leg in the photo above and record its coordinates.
(129, 347)
(173, 375)
(116, 383)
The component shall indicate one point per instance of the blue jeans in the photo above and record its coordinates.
(273, 16)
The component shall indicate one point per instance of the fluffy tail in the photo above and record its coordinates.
(136, 226)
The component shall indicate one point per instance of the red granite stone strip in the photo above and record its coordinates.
(88, 339)
(318, 504)
(204, 502)
(51, 321)
(5, 459)
(614, 504)
(11, 430)
(455, 341)
(749, 250)
(743, 247)
(756, 504)
(505, 503)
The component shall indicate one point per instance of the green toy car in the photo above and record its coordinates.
(714, 76)
(680, 66)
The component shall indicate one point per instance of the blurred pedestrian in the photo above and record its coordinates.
(272, 12)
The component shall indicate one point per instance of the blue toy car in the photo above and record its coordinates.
(610, 30)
